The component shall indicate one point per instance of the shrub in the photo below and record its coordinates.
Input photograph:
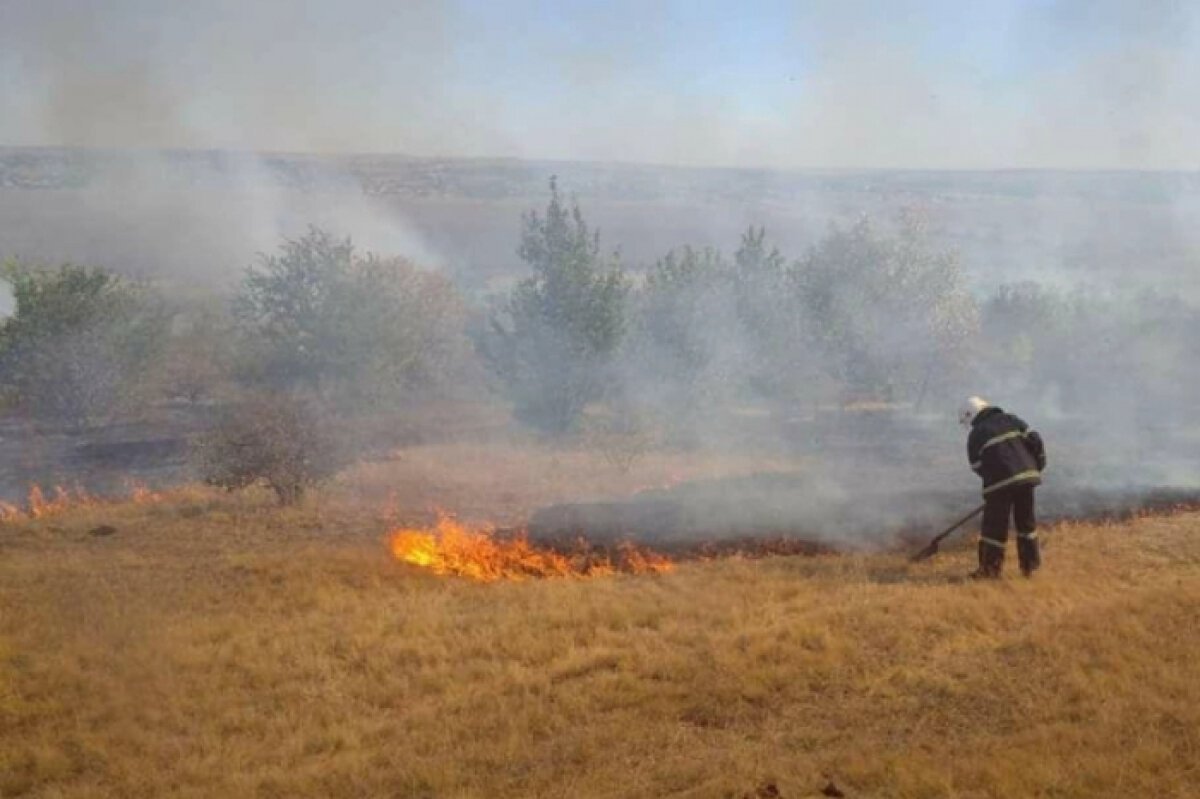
(271, 440)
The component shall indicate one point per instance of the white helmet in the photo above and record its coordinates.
(970, 409)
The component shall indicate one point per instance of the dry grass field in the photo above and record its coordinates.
(217, 646)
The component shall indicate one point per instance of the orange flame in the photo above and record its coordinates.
(140, 494)
(10, 513)
(40, 503)
(452, 548)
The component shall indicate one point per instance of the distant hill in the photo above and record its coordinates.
(193, 212)
(508, 178)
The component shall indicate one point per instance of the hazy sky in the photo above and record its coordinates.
(1075, 83)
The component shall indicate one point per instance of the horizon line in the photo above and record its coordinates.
(395, 154)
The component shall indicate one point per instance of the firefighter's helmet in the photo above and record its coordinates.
(970, 409)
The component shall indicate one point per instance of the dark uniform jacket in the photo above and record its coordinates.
(1004, 451)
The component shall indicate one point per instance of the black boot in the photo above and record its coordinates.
(991, 562)
(1028, 549)
(1029, 553)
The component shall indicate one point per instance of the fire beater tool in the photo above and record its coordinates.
(931, 550)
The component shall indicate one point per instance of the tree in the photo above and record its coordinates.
(682, 311)
(82, 345)
(1067, 348)
(552, 341)
(710, 331)
(758, 280)
(363, 330)
(780, 362)
(891, 315)
(1024, 324)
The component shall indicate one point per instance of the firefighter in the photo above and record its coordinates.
(1010, 458)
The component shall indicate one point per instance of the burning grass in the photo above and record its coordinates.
(452, 548)
(219, 646)
(41, 503)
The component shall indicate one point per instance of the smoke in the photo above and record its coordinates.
(195, 219)
(184, 105)
(833, 363)
(135, 77)
(8, 303)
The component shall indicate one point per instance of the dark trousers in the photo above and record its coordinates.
(1018, 503)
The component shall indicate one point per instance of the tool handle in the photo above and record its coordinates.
(958, 524)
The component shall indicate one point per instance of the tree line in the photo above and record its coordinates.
(870, 312)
